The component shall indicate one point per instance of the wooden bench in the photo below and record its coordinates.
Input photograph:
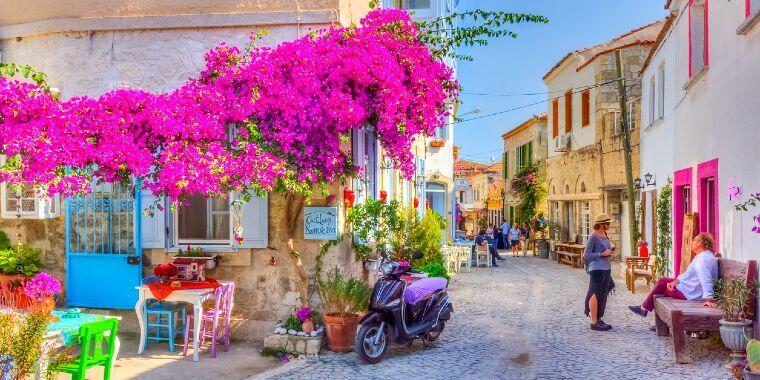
(575, 260)
(682, 316)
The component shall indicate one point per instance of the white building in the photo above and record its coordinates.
(701, 125)
(436, 187)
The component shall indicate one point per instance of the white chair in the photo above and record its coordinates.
(482, 250)
(465, 257)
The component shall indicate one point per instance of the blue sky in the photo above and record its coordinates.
(516, 66)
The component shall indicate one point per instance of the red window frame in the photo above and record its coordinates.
(586, 108)
(555, 118)
(569, 111)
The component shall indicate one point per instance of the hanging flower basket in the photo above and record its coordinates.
(437, 143)
(383, 195)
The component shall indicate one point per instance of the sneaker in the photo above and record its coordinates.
(494, 264)
(600, 327)
(601, 322)
(638, 310)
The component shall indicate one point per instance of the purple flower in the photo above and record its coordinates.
(42, 286)
(303, 314)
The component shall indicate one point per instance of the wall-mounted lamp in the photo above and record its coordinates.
(637, 183)
(649, 179)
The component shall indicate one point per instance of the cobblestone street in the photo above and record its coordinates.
(524, 320)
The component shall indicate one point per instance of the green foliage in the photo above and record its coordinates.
(733, 297)
(753, 201)
(20, 260)
(661, 264)
(443, 35)
(427, 238)
(293, 323)
(753, 355)
(12, 69)
(407, 222)
(528, 187)
(372, 222)
(277, 352)
(341, 295)
(21, 338)
(435, 270)
(5, 243)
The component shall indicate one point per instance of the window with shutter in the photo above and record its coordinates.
(555, 118)
(518, 159)
(569, 111)
(661, 93)
(22, 202)
(699, 56)
(504, 164)
(586, 108)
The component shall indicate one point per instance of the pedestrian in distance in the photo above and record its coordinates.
(500, 237)
(695, 283)
(482, 240)
(596, 258)
(525, 238)
(505, 232)
(514, 239)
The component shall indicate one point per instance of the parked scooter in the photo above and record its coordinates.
(400, 313)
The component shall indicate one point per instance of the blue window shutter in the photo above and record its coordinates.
(153, 228)
(255, 223)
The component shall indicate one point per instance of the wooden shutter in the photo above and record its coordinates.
(255, 224)
(504, 162)
(586, 108)
(555, 118)
(569, 111)
(153, 229)
(529, 153)
(518, 159)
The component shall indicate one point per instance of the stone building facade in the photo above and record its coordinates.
(525, 144)
(156, 46)
(585, 166)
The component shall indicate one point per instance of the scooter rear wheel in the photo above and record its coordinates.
(371, 347)
(432, 336)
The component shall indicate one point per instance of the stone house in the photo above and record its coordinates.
(466, 195)
(585, 164)
(700, 123)
(524, 145)
(89, 49)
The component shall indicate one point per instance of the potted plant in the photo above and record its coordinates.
(41, 289)
(733, 296)
(752, 370)
(437, 143)
(197, 253)
(342, 299)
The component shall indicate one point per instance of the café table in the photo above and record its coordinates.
(195, 297)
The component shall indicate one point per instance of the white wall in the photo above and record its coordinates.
(715, 117)
(563, 79)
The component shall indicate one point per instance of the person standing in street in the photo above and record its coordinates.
(505, 232)
(599, 267)
(514, 239)
(525, 238)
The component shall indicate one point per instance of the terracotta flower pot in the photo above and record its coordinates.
(307, 326)
(341, 332)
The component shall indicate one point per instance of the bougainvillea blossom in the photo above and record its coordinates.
(250, 120)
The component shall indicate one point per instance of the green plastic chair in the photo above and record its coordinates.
(92, 336)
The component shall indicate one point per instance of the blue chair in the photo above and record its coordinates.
(169, 319)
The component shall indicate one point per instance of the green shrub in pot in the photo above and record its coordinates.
(20, 260)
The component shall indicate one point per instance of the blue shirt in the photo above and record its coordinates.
(514, 234)
(593, 253)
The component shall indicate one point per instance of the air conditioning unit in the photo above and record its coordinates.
(562, 143)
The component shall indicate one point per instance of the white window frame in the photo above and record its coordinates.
(209, 219)
(617, 128)
(585, 221)
(44, 207)
(661, 92)
(652, 100)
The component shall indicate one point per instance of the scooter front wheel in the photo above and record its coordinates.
(371, 343)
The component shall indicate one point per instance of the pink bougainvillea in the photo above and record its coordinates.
(250, 121)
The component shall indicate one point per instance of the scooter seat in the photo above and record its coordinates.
(423, 288)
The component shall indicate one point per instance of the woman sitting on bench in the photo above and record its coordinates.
(695, 283)
(482, 240)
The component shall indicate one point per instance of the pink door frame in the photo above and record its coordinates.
(707, 170)
(681, 178)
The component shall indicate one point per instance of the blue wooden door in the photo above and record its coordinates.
(103, 257)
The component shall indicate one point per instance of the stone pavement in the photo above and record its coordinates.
(524, 320)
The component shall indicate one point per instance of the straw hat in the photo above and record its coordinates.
(602, 218)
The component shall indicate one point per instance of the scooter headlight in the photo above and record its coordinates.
(387, 268)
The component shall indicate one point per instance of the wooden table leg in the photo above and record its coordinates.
(197, 316)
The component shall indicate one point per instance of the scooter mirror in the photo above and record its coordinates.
(417, 255)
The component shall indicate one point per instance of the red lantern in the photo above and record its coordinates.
(348, 197)
(416, 202)
(383, 195)
(427, 204)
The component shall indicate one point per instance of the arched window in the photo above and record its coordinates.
(436, 187)
(567, 189)
(583, 187)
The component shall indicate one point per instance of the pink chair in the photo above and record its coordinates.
(223, 301)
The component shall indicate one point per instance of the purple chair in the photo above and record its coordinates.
(223, 302)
